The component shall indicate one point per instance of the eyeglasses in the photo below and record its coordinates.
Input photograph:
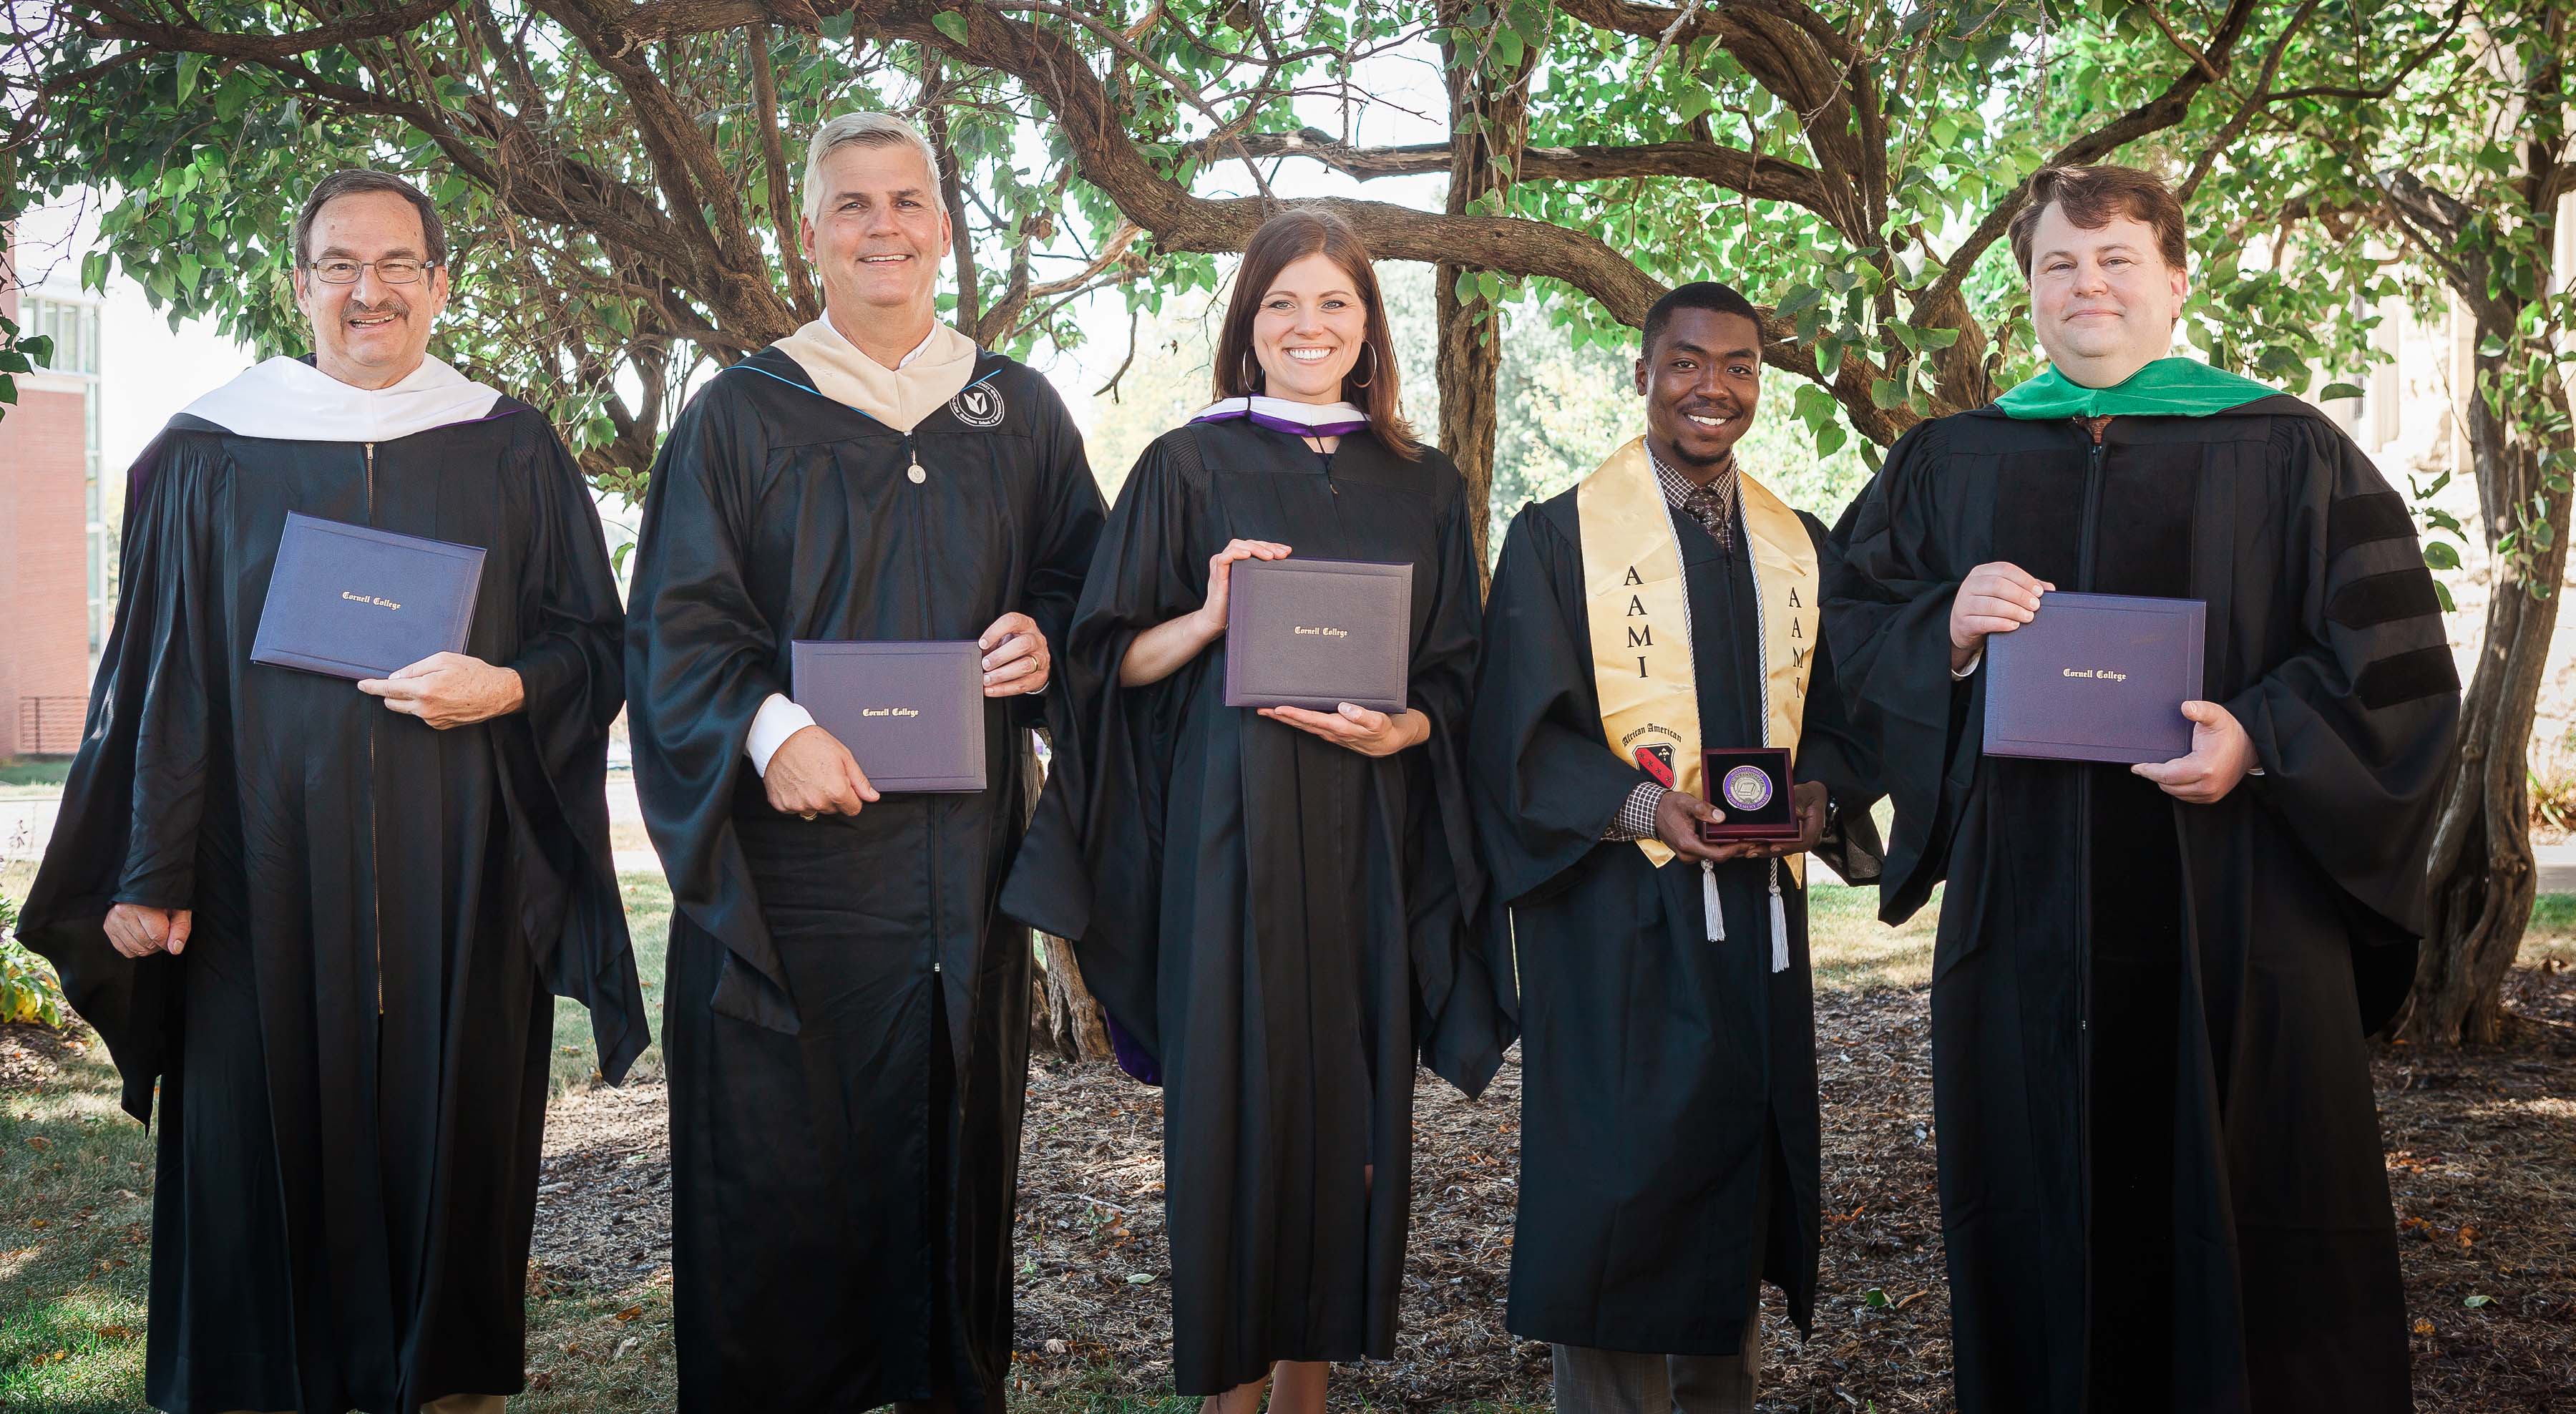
(345, 272)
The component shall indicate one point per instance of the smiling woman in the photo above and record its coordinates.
(1282, 936)
(1318, 332)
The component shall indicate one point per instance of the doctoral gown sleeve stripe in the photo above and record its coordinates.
(2355, 732)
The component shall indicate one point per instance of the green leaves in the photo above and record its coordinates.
(950, 23)
(29, 990)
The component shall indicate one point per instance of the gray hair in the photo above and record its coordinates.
(350, 181)
(867, 130)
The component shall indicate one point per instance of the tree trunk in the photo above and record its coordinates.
(1488, 125)
(2483, 877)
(1065, 1022)
(1471, 362)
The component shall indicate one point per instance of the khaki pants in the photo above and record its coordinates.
(452, 1404)
(1593, 1381)
(1590, 1381)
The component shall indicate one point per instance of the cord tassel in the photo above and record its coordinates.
(1708, 901)
(1779, 923)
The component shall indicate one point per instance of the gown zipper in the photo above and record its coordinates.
(915, 474)
(375, 875)
(2091, 528)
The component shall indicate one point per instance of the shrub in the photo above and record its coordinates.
(29, 990)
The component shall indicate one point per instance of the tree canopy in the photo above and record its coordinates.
(619, 179)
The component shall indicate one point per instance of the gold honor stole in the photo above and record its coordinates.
(1639, 606)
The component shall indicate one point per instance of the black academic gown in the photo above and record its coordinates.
(847, 1017)
(352, 1051)
(1276, 919)
(2161, 1182)
(1660, 1071)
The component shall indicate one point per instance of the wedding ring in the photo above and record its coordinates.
(808, 815)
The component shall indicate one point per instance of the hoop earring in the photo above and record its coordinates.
(1248, 374)
(1350, 382)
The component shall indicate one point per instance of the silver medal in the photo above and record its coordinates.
(917, 474)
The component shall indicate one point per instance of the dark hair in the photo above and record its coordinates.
(1282, 241)
(2092, 196)
(1699, 294)
(350, 181)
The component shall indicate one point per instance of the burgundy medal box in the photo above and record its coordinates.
(1751, 786)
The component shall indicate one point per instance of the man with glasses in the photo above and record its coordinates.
(326, 918)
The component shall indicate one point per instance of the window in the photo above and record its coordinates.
(71, 324)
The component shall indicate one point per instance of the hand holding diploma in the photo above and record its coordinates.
(1996, 597)
(812, 773)
(1370, 733)
(2221, 754)
(1159, 652)
(449, 690)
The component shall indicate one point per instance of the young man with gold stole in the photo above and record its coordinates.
(1664, 607)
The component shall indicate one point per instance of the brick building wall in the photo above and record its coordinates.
(45, 548)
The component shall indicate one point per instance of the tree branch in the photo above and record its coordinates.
(134, 29)
(2154, 115)
(1054, 70)
(773, 152)
(1756, 174)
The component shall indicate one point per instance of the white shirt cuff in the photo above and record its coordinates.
(1970, 670)
(778, 720)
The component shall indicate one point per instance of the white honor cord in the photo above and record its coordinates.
(1779, 923)
(1708, 901)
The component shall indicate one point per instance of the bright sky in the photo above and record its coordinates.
(148, 370)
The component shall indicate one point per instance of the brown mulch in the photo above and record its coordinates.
(604, 1195)
(2482, 1162)
(2482, 1165)
(1092, 1226)
(31, 1056)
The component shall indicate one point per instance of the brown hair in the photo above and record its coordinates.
(349, 181)
(1282, 241)
(2092, 196)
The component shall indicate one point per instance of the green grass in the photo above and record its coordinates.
(648, 921)
(592, 1350)
(75, 1218)
(37, 776)
(2552, 935)
(1850, 949)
